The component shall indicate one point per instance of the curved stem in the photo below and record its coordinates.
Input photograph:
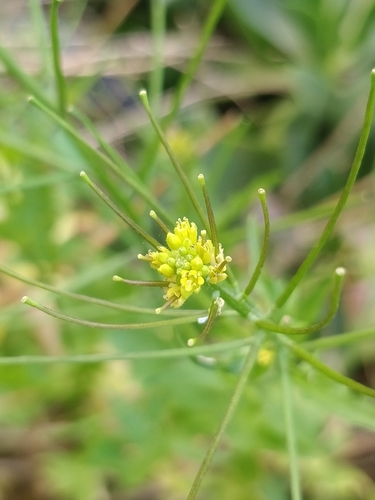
(248, 365)
(258, 269)
(335, 300)
(110, 326)
(59, 77)
(338, 377)
(342, 200)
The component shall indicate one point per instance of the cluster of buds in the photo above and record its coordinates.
(187, 263)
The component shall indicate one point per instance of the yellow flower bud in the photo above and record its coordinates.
(166, 270)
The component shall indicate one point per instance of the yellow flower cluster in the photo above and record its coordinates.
(187, 263)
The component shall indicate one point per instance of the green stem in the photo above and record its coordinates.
(338, 377)
(335, 300)
(240, 386)
(230, 296)
(290, 425)
(341, 203)
(107, 148)
(155, 354)
(37, 15)
(56, 56)
(210, 214)
(258, 269)
(128, 177)
(181, 174)
(160, 223)
(109, 326)
(141, 232)
(93, 300)
(114, 156)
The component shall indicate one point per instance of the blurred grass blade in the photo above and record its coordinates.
(61, 90)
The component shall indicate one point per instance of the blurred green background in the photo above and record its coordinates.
(277, 102)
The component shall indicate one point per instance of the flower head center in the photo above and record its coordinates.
(187, 262)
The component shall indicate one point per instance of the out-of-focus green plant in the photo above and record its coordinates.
(172, 392)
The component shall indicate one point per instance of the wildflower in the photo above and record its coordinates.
(265, 356)
(187, 262)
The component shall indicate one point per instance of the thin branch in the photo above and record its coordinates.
(110, 326)
(94, 300)
(141, 232)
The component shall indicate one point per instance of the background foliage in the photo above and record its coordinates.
(277, 103)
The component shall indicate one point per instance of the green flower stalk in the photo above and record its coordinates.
(187, 263)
